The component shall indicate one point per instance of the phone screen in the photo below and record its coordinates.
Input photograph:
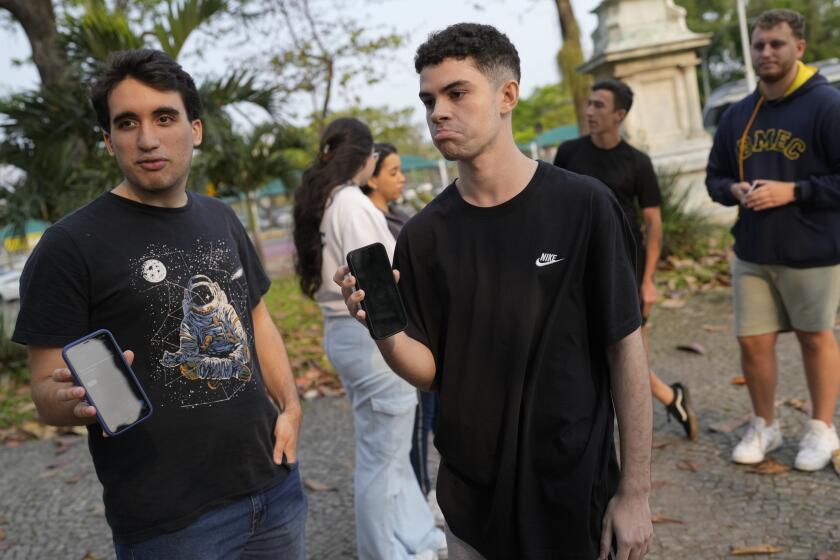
(382, 304)
(110, 385)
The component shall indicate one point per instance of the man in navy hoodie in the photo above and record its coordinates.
(777, 155)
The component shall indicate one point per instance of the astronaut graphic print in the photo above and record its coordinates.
(201, 349)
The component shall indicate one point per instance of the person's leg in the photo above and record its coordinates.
(811, 296)
(821, 358)
(217, 535)
(383, 411)
(419, 447)
(661, 390)
(760, 315)
(758, 362)
(279, 522)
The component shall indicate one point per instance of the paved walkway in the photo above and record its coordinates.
(50, 505)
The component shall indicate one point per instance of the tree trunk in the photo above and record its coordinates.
(37, 18)
(254, 224)
(570, 58)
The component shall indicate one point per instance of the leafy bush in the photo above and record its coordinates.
(686, 231)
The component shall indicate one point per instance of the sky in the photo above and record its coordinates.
(532, 26)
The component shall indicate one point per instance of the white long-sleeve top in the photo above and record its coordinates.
(350, 221)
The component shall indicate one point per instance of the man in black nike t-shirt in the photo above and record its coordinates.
(629, 173)
(524, 317)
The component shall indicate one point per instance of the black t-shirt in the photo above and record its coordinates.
(518, 303)
(176, 286)
(624, 169)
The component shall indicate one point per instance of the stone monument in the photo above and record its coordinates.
(647, 44)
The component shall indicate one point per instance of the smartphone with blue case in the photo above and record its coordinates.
(97, 364)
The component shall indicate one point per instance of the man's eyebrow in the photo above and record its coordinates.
(447, 87)
(166, 111)
(124, 115)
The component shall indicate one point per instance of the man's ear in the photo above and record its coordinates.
(510, 96)
(800, 48)
(198, 132)
(106, 136)
(621, 114)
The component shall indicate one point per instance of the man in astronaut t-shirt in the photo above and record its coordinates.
(214, 345)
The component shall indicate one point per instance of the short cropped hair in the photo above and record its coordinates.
(490, 49)
(622, 94)
(154, 68)
(772, 18)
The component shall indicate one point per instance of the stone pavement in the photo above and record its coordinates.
(51, 505)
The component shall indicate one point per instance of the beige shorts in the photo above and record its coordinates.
(772, 298)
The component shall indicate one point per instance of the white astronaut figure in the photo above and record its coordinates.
(213, 344)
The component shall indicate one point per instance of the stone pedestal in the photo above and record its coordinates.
(646, 44)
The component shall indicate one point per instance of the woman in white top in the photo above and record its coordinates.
(332, 217)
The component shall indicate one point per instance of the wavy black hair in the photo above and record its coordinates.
(345, 146)
(622, 94)
(490, 49)
(383, 150)
(154, 68)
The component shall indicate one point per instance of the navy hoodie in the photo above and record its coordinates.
(795, 139)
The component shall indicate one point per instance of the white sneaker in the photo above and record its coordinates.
(816, 446)
(759, 440)
(436, 511)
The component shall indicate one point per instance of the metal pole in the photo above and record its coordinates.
(745, 44)
(444, 174)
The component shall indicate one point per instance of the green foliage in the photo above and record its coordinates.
(300, 322)
(546, 108)
(822, 30)
(50, 134)
(685, 230)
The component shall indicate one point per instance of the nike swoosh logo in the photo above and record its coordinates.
(546, 263)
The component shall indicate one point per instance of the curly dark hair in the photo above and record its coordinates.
(154, 68)
(345, 146)
(772, 18)
(490, 49)
(383, 150)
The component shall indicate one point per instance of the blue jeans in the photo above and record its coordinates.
(393, 520)
(264, 526)
(424, 422)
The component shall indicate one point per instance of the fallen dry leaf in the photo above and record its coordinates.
(688, 466)
(38, 430)
(316, 486)
(693, 347)
(327, 391)
(835, 460)
(738, 380)
(662, 519)
(730, 425)
(757, 549)
(800, 404)
(769, 466)
(91, 556)
(716, 328)
(828, 555)
(657, 484)
(659, 445)
(673, 303)
(2, 534)
(73, 479)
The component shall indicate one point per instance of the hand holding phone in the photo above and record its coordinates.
(97, 364)
(384, 311)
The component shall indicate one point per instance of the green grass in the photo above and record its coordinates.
(301, 324)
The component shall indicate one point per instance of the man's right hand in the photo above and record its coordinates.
(69, 392)
(353, 297)
(739, 191)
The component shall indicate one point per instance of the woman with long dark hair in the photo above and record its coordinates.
(332, 217)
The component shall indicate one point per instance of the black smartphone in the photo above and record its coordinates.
(97, 364)
(383, 306)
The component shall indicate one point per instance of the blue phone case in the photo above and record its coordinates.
(88, 397)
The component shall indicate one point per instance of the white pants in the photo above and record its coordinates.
(393, 520)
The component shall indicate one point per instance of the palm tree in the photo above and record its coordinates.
(50, 134)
